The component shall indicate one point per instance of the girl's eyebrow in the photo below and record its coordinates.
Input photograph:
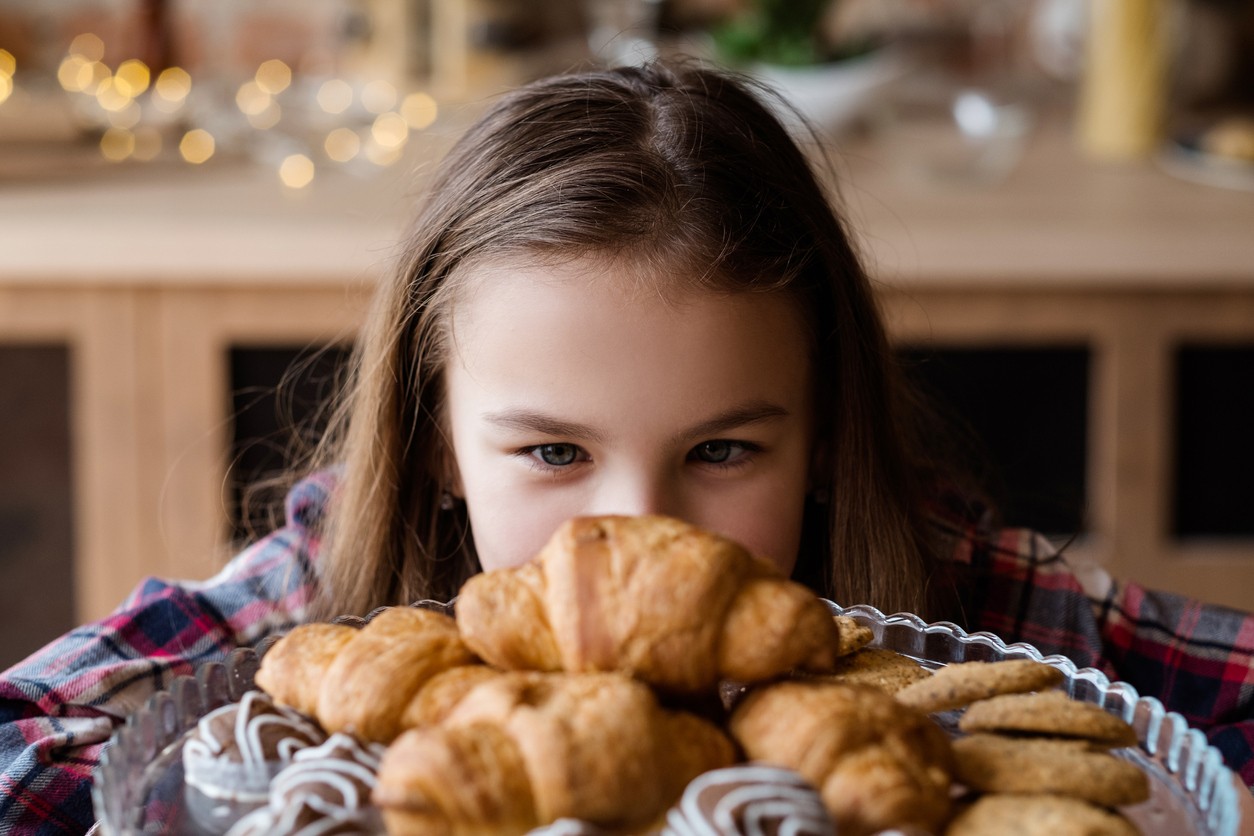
(754, 412)
(537, 422)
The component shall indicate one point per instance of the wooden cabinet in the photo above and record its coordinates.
(151, 276)
(1123, 260)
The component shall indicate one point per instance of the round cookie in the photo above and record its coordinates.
(1048, 713)
(885, 669)
(1037, 815)
(992, 763)
(958, 685)
(853, 636)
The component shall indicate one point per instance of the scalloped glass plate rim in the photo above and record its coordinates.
(1185, 756)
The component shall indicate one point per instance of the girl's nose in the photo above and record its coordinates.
(637, 495)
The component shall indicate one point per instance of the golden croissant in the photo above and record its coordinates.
(406, 667)
(528, 748)
(674, 606)
(876, 762)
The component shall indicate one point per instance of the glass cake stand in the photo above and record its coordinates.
(138, 787)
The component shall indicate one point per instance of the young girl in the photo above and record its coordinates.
(627, 292)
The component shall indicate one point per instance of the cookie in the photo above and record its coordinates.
(885, 669)
(1037, 815)
(992, 763)
(959, 685)
(853, 636)
(1049, 713)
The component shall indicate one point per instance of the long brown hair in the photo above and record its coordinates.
(673, 167)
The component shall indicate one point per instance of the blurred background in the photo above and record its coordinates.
(1055, 198)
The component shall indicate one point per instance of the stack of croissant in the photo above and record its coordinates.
(585, 685)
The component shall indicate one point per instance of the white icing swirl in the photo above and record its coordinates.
(326, 789)
(236, 749)
(341, 772)
(749, 800)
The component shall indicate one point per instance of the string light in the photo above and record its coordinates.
(119, 100)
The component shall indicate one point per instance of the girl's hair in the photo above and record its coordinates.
(674, 168)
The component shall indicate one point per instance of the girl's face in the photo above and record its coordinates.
(573, 390)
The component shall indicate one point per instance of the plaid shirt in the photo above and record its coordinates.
(59, 707)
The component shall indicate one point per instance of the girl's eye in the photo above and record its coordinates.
(556, 455)
(720, 452)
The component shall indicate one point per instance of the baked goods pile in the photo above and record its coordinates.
(580, 693)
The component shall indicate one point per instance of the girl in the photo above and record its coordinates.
(626, 292)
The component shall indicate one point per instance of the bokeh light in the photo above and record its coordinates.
(8, 64)
(419, 110)
(6, 88)
(171, 89)
(378, 96)
(372, 119)
(80, 75)
(196, 146)
(342, 144)
(116, 144)
(335, 95)
(390, 130)
(382, 155)
(127, 116)
(268, 118)
(296, 171)
(132, 77)
(173, 84)
(273, 76)
(110, 96)
(88, 46)
(251, 99)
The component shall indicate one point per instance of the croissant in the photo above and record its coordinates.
(877, 763)
(673, 605)
(374, 681)
(528, 748)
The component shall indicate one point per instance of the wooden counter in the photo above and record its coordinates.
(150, 274)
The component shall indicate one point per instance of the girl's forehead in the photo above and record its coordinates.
(626, 278)
(581, 321)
